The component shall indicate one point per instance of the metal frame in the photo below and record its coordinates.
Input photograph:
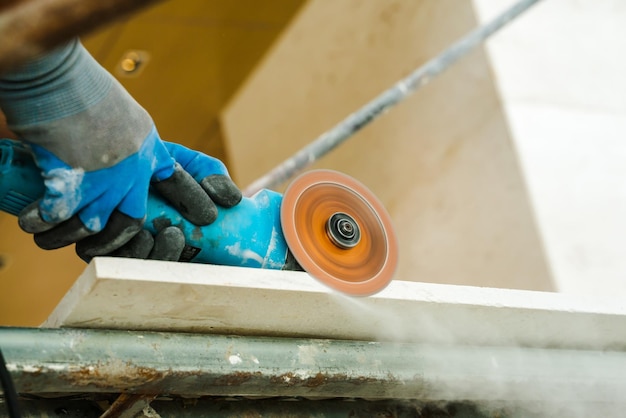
(150, 363)
(177, 365)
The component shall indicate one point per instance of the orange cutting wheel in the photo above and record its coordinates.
(339, 232)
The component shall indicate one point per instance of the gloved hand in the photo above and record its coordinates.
(78, 204)
(208, 172)
(169, 243)
(99, 151)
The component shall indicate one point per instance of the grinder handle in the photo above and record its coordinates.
(248, 234)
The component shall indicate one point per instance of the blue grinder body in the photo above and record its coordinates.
(247, 235)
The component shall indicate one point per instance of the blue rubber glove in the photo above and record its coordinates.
(209, 172)
(99, 152)
(93, 195)
(77, 204)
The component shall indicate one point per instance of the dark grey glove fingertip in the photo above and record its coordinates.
(186, 195)
(222, 190)
(29, 219)
(168, 245)
(119, 230)
(139, 246)
(62, 235)
(204, 213)
(86, 258)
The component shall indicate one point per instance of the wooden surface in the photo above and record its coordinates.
(164, 296)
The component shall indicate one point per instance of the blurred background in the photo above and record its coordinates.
(506, 171)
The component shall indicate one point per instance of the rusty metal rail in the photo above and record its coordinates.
(30, 27)
(153, 363)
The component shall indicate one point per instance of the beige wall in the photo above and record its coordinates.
(442, 162)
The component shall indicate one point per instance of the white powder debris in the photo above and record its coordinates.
(63, 193)
(307, 354)
(235, 359)
(268, 262)
(262, 200)
(25, 369)
(303, 374)
(94, 224)
(243, 254)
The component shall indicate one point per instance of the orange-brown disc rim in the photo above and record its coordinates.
(306, 243)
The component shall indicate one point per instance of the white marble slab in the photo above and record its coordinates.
(131, 294)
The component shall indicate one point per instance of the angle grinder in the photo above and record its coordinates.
(326, 223)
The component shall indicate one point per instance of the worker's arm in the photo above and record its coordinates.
(99, 151)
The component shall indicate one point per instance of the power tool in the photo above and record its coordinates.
(326, 223)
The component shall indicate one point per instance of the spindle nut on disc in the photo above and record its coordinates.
(339, 232)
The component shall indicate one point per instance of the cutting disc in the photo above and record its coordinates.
(339, 232)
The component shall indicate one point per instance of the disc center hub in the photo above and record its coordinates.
(343, 230)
